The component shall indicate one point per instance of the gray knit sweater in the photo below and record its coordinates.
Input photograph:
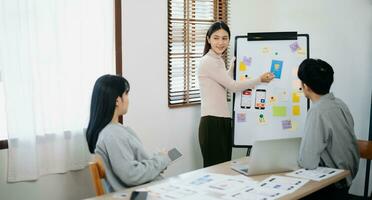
(126, 162)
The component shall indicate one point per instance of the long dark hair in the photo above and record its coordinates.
(213, 28)
(105, 92)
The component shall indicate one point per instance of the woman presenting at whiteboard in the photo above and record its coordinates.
(215, 135)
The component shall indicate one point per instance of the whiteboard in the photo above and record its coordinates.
(277, 109)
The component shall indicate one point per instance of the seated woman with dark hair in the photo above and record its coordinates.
(126, 162)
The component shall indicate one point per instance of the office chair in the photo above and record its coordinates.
(365, 150)
(97, 172)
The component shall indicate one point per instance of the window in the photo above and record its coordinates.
(188, 22)
(55, 50)
(72, 7)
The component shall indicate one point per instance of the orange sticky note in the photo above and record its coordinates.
(295, 97)
(294, 72)
(296, 110)
(273, 100)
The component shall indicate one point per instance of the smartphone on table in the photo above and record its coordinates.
(138, 195)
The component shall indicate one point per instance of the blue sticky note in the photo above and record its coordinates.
(276, 68)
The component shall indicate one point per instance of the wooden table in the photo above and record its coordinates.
(224, 168)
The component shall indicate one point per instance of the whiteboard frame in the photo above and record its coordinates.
(263, 36)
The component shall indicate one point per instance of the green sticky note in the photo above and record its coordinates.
(279, 111)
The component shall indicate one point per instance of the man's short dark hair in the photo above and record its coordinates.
(316, 74)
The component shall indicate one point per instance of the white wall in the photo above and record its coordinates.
(145, 66)
(340, 33)
(68, 186)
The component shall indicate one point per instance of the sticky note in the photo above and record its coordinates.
(242, 77)
(247, 61)
(294, 126)
(283, 95)
(265, 50)
(296, 110)
(276, 68)
(242, 66)
(241, 117)
(300, 51)
(273, 100)
(295, 97)
(286, 124)
(296, 85)
(294, 72)
(294, 46)
(262, 119)
(279, 111)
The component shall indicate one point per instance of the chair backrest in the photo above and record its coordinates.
(365, 149)
(97, 172)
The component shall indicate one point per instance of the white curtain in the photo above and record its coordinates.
(51, 53)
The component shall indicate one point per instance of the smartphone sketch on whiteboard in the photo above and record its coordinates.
(260, 99)
(245, 101)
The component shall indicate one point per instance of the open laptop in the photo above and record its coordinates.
(271, 156)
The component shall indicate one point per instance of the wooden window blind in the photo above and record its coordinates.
(188, 23)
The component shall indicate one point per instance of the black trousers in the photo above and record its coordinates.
(215, 139)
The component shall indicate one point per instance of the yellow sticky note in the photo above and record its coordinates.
(296, 110)
(242, 66)
(294, 126)
(295, 97)
(265, 50)
(301, 52)
(279, 111)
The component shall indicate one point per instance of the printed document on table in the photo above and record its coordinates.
(317, 174)
(255, 193)
(219, 183)
(171, 191)
(273, 187)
